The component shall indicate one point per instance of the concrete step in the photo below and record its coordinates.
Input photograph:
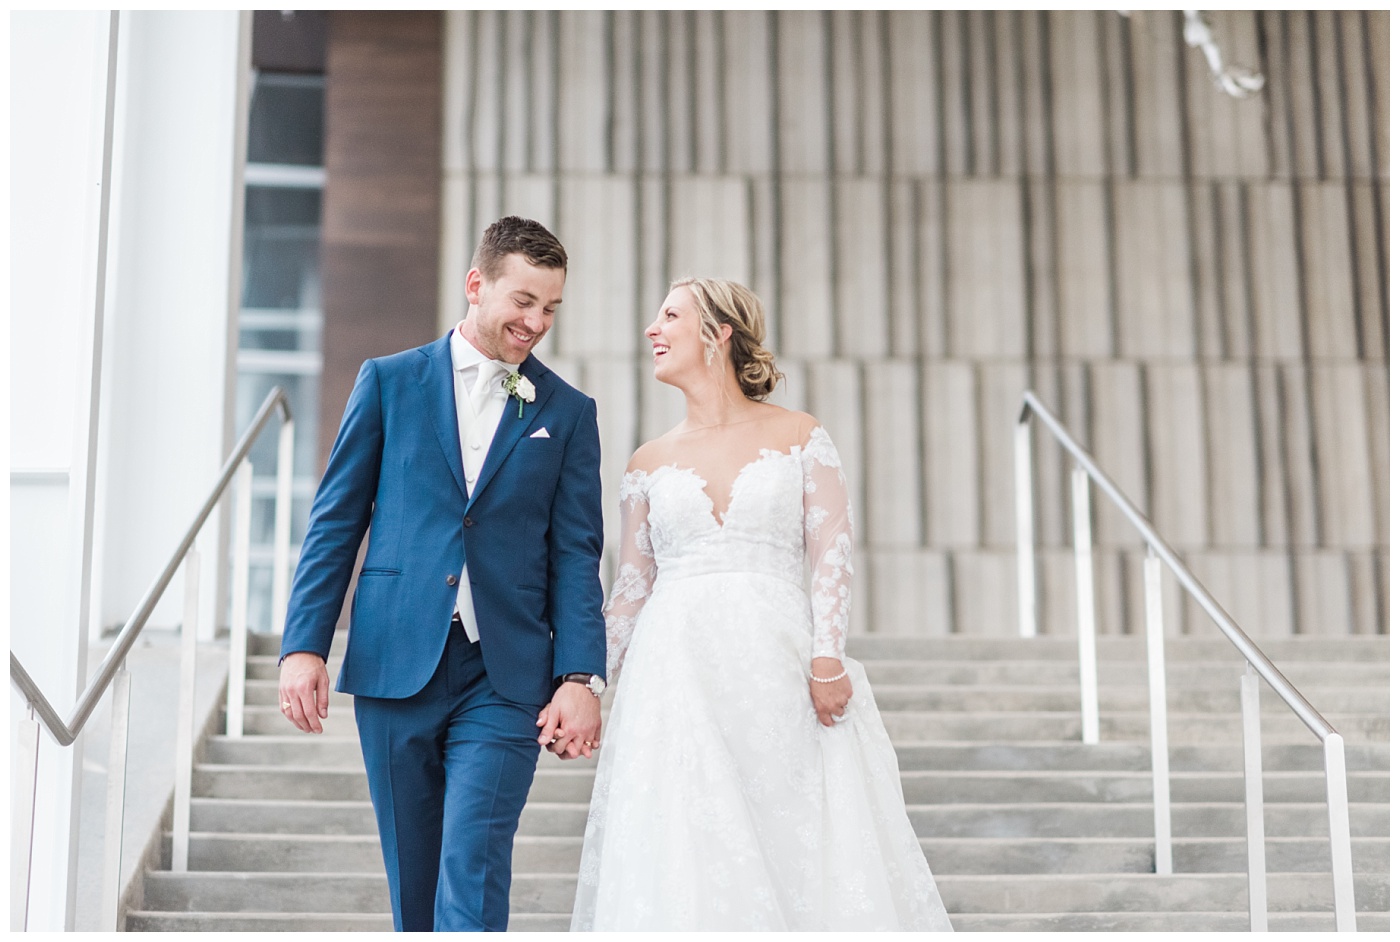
(1077, 922)
(282, 853)
(1191, 693)
(913, 726)
(226, 891)
(962, 922)
(1210, 646)
(1157, 922)
(157, 921)
(535, 853)
(567, 784)
(966, 819)
(1134, 820)
(1222, 675)
(302, 782)
(1112, 756)
(277, 816)
(343, 752)
(916, 725)
(1024, 827)
(956, 698)
(1055, 855)
(1307, 674)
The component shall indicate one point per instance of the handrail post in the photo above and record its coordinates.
(282, 528)
(1339, 830)
(1025, 530)
(1157, 712)
(184, 719)
(1254, 801)
(24, 782)
(116, 800)
(238, 621)
(1084, 584)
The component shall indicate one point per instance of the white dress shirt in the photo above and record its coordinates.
(474, 433)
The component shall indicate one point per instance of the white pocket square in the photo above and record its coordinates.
(540, 432)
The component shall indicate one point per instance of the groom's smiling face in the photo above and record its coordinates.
(511, 313)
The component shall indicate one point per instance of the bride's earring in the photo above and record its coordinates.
(709, 355)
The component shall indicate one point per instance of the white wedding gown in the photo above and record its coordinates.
(721, 803)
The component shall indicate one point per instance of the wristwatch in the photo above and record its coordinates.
(595, 684)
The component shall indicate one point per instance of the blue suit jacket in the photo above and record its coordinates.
(531, 534)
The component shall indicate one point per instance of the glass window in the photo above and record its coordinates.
(286, 120)
(280, 319)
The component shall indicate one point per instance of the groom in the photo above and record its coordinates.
(476, 633)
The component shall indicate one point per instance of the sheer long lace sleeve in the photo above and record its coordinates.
(636, 571)
(830, 543)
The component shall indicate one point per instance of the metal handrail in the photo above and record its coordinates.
(111, 674)
(1257, 665)
(1257, 659)
(64, 733)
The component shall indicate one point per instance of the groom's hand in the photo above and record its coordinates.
(302, 690)
(571, 723)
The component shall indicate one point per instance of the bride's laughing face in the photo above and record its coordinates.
(677, 349)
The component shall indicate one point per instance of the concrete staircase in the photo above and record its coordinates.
(1024, 827)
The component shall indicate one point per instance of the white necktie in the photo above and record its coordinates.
(488, 381)
(488, 376)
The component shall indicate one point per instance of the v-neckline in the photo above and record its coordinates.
(720, 518)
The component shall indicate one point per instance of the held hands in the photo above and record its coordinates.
(303, 689)
(829, 698)
(571, 723)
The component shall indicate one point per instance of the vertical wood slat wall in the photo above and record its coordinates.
(942, 209)
(381, 209)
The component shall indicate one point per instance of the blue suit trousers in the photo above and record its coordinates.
(449, 770)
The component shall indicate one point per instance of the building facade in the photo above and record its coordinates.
(940, 210)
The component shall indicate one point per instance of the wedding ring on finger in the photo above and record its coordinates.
(286, 705)
(838, 719)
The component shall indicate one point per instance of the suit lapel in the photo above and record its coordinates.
(513, 424)
(437, 383)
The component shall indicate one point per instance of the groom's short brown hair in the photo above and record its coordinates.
(512, 235)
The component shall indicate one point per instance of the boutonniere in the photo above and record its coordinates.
(522, 389)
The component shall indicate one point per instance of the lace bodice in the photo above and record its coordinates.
(789, 517)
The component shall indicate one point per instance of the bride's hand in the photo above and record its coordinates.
(829, 698)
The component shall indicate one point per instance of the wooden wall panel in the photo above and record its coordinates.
(381, 208)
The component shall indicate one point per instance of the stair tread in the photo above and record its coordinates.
(1053, 783)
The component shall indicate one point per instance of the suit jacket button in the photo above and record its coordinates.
(467, 521)
(451, 580)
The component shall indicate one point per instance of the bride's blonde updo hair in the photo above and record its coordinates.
(727, 302)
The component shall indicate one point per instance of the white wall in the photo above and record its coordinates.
(58, 69)
(106, 484)
(176, 220)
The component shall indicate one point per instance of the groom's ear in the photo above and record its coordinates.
(473, 286)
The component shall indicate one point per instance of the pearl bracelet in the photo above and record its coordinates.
(827, 680)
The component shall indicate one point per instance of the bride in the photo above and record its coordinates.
(745, 781)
